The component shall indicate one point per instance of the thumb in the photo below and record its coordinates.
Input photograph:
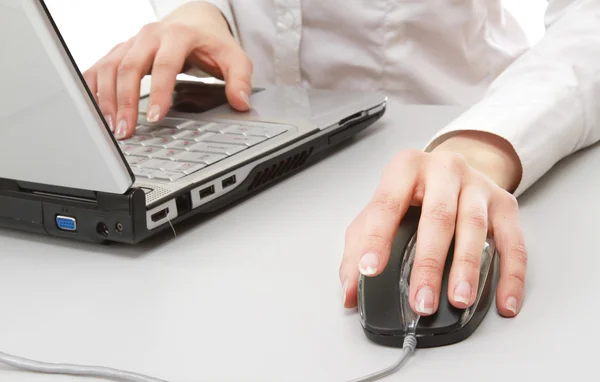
(237, 72)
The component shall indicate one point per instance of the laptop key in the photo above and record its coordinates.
(202, 158)
(145, 151)
(187, 168)
(143, 172)
(158, 164)
(216, 148)
(177, 123)
(129, 149)
(181, 144)
(165, 132)
(142, 130)
(211, 126)
(234, 139)
(167, 154)
(136, 161)
(137, 139)
(190, 134)
(158, 142)
(168, 175)
(238, 129)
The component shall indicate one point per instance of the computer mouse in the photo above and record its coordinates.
(384, 310)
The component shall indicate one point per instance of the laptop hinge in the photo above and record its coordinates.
(58, 192)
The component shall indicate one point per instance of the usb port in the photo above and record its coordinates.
(160, 215)
(228, 181)
(206, 192)
(66, 223)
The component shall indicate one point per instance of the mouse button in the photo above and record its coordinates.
(447, 318)
(488, 278)
(379, 305)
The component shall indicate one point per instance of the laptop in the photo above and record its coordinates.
(63, 174)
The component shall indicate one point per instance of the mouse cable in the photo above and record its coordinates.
(408, 348)
(66, 369)
(410, 343)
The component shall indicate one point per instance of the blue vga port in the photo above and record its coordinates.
(66, 223)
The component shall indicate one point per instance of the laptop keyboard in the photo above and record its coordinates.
(175, 148)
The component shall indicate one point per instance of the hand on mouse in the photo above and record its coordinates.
(464, 188)
(195, 34)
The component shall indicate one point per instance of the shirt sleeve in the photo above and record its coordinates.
(164, 7)
(547, 103)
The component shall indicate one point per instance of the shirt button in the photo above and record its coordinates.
(288, 19)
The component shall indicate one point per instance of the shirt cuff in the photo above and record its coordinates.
(478, 120)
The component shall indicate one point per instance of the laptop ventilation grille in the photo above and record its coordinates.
(276, 169)
(156, 193)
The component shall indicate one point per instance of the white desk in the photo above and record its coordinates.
(254, 294)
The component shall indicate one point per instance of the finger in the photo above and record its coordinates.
(91, 79)
(135, 64)
(169, 61)
(237, 72)
(106, 81)
(470, 236)
(510, 242)
(435, 231)
(370, 237)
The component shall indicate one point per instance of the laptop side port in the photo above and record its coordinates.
(102, 229)
(160, 215)
(66, 223)
(206, 192)
(230, 181)
(184, 203)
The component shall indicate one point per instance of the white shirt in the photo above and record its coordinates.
(544, 100)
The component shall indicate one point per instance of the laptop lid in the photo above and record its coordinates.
(51, 129)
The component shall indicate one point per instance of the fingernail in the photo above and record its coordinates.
(245, 97)
(511, 304)
(462, 292)
(121, 129)
(344, 290)
(153, 114)
(110, 123)
(368, 264)
(425, 301)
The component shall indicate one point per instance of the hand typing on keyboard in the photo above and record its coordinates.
(194, 34)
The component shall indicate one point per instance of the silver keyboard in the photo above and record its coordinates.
(174, 148)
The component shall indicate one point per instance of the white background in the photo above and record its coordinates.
(92, 27)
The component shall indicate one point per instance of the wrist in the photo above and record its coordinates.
(190, 13)
(488, 153)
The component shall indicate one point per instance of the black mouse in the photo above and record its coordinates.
(385, 314)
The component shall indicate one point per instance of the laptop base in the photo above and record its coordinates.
(104, 218)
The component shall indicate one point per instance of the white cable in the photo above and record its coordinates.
(86, 371)
(410, 343)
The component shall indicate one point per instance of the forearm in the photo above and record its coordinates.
(546, 104)
(491, 155)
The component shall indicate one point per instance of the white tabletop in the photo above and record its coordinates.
(253, 295)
